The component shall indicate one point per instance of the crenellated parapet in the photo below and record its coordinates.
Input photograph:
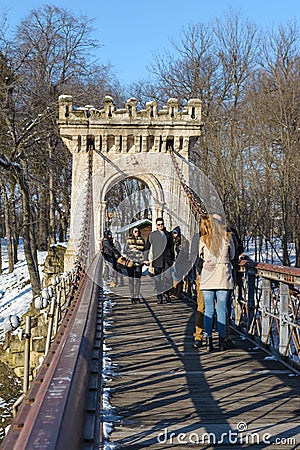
(171, 112)
(128, 129)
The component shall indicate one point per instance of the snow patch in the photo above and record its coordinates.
(15, 288)
(109, 370)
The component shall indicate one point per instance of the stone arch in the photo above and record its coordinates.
(154, 185)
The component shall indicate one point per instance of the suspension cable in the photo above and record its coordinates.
(82, 255)
(198, 211)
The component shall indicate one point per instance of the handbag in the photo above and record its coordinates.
(151, 271)
(126, 262)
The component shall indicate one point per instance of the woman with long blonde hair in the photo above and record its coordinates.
(217, 250)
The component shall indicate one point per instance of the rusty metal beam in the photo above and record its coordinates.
(274, 272)
(53, 411)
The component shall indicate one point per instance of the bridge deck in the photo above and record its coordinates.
(163, 385)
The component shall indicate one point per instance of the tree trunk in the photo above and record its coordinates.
(8, 231)
(296, 232)
(43, 215)
(285, 236)
(29, 239)
(52, 237)
(15, 234)
(0, 256)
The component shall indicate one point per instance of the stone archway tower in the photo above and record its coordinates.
(125, 142)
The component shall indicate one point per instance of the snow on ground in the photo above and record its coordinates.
(110, 369)
(15, 288)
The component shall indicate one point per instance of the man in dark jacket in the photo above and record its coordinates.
(161, 244)
(110, 254)
(238, 280)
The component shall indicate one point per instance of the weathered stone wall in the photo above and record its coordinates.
(12, 349)
(54, 262)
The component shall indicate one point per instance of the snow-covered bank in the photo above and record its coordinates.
(15, 288)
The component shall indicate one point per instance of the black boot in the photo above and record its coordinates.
(230, 343)
(197, 343)
(209, 344)
(223, 344)
(133, 300)
(174, 292)
(159, 298)
(179, 289)
(167, 297)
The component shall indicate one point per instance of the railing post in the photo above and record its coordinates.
(50, 324)
(266, 308)
(250, 300)
(57, 310)
(239, 296)
(63, 290)
(283, 315)
(27, 336)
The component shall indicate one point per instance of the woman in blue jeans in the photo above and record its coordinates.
(217, 251)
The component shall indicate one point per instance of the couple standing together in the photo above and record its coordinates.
(158, 251)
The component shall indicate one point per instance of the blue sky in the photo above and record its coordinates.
(131, 31)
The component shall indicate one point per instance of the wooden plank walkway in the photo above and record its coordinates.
(163, 386)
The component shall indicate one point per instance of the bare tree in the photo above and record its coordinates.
(236, 43)
(280, 100)
(50, 50)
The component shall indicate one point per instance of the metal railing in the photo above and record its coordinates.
(52, 413)
(267, 300)
(267, 308)
(57, 301)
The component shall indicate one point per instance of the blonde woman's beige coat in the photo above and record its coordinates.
(217, 271)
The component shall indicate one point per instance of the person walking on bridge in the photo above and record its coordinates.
(110, 254)
(181, 264)
(199, 329)
(237, 280)
(216, 248)
(133, 250)
(161, 244)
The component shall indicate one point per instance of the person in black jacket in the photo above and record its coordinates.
(182, 264)
(110, 254)
(237, 278)
(161, 244)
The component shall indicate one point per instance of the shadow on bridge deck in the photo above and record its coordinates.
(231, 399)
